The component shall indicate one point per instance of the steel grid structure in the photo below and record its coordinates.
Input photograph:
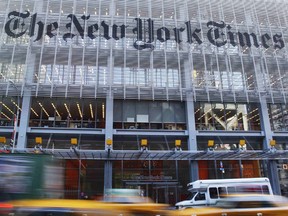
(161, 155)
(97, 48)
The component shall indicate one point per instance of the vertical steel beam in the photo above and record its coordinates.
(24, 122)
(271, 164)
(108, 135)
(192, 142)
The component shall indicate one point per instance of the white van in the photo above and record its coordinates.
(208, 192)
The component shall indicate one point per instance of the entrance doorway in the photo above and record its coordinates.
(159, 192)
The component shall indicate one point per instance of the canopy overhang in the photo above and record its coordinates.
(270, 154)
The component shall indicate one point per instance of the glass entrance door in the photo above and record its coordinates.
(166, 194)
(159, 192)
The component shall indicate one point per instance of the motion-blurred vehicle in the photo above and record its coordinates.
(242, 204)
(61, 207)
(209, 192)
(132, 201)
(30, 177)
(114, 204)
(5, 208)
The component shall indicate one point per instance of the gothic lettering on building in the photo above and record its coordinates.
(218, 33)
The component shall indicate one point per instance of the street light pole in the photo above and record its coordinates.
(15, 129)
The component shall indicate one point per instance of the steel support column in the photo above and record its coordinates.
(107, 176)
(192, 141)
(108, 135)
(24, 122)
(271, 164)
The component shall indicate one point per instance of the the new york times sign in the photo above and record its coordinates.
(219, 33)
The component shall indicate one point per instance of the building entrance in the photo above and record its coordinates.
(159, 192)
(159, 180)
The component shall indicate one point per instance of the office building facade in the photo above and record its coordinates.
(130, 93)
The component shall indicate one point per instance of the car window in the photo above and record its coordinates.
(213, 193)
(255, 204)
(257, 201)
(222, 191)
(191, 195)
(265, 189)
(249, 189)
(200, 196)
(267, 204)
(245, 204)
(231, 190)
(225, 204)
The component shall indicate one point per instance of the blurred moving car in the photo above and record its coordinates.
(55, 207)
(117, 202)
(208, 192)
(132, 201)
(5, 208)
(65, 207)
(30, 176)
(244, 205)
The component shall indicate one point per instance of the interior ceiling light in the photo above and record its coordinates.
(7, 108)
(197, 111)
(16, 105)
(44, 110)
(103, 110)
(69, 114)
(56, 109)
(91, 111)
(79, 110)
(34, 112)
(5, 116)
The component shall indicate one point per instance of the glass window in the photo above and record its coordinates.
(67, 112)
(213, 193)
(200, 196)
(168, 112)
(278, 114)
(8, 110)
(231, 190)
(222, 191)
(265, 189)
(253, 117)
(226, 116)
(149, 115)
(155, 111)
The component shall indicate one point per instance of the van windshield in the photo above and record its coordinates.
(191, 195)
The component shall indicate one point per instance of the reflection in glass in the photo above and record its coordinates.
(226, 116)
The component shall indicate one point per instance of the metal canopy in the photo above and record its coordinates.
(272, 154)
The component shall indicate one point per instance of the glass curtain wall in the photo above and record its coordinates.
(8, 110)
(233, 48)
(221, 169)
(159, 180)
(68, 112)
(227, 116)
(230, 143)
(283, 175)
(278, 115)
(84, 179)
(149, 115)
